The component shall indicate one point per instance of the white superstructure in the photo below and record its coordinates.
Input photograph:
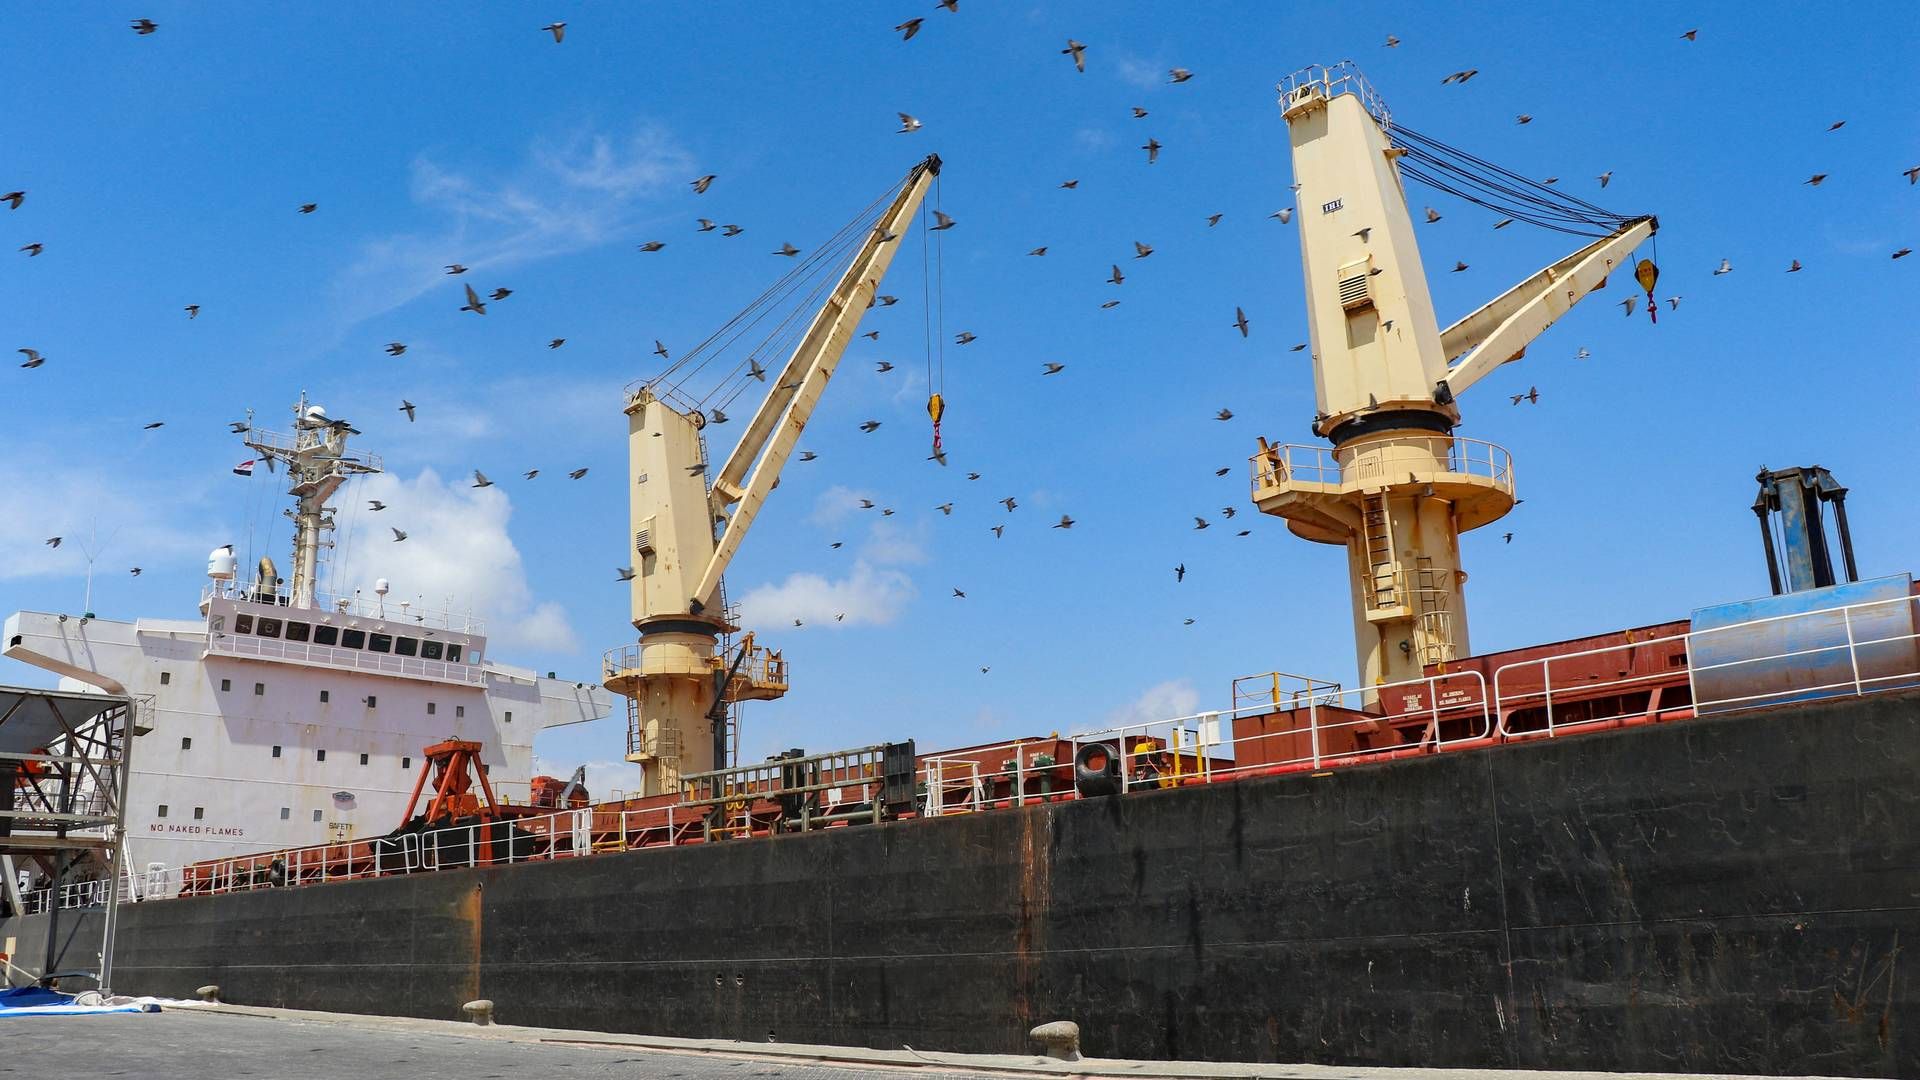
(284, 717)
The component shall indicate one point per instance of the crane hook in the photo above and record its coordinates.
(1646, 274)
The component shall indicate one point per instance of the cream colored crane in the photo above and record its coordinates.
(684, 536)
(1398, 487)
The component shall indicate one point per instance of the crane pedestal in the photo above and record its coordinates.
(1398, 501)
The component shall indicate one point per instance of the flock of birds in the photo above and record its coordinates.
(1077, 53)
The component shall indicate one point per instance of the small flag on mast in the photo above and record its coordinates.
(245, 468)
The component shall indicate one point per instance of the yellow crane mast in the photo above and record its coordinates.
(684, 533)
(1397, 487)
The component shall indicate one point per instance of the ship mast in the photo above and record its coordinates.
(1397, 487)
(317, 463)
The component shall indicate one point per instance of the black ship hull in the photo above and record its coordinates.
(1728, 894)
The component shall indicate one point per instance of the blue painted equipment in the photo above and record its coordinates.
(1797, 496)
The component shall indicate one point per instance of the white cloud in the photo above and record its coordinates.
(868, 595)
(457, 553)
(603, 780)
(570, 195)
(1161, 701)
(87, 507)
(888, 544)
(833, 505)
(1144, 74)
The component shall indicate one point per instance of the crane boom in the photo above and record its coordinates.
(777, 424)
(1499, 332)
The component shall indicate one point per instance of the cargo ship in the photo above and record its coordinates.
(1685, 845)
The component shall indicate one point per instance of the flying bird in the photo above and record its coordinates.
(701, 184)
(396, 348)
(1391, 43)
(556, 343)
(625, 572)
(576, 474)
(1079, 54)
(1010, 503)
(1503, 223)
(376, 505)
(1109, 304)
(308, 208)
(1240, 321)
(660, 350)
(480, 479)
(474, 303)
(883, 367)
(1179, 75)
(1912, 175)
(1836, 125)
(135, 571)
(1523, 118)
(1460, 77)
(788, 250)
(407, 407)
(1139, 113)
(1816, 179)
(886, 301)
(1903, 253)
(456, 268)
(34, 359)
(1116, 278)
(1038, 251)
(945, 508)
(13, 199)
(1140, 250)
(1506, 537)
(1054, 369)
(1531, 397)
(1223, 471)
(156, 424)
(1459, 266)
(1605, 178)
(1069, 185)
(909, 124)
(530, 474)
(398, 536)
(1629, 304)
(1214, 219)
(54, 541)
(558, 30)
(957, 593)
(755, 371)
(33, 249)
(192, 310)
(705, 224)
(719, 416)
(144, 27)
(964, 337)
(1432, 215)
(1726, 267)
(998, 530)
(870, 426)
(1200, 523)
(941, 221)
(1795, 268)
(1180, 572)
(1691, 34)
(1284, 216)
(1065, 522)
(909, 28)
(731, 230)
(1223, 414)
(653, 245)
(1673, 302)
(1152, 147)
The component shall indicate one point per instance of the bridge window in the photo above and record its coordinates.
(326, 635)
(286, 812)
(509, 716)
(406, 646)
(323, 697)
(431, 707)
(372, 702)
(459, 710)
(259, 689)
(163, 810)
(319, 755)
(226, 684)
(363, 759)
(199, 813)
(406, 763)
(269, 628)
(380, 643)
(297, 631)
(430, 650)
(453, 653)
(353, 639)
(243, 624)
(276, 751)
(186, 743)
(166, 678)
(316, 817)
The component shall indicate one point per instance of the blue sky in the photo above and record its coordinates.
(165, 170)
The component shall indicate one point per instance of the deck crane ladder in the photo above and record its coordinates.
(684, 533)
(1397, 487)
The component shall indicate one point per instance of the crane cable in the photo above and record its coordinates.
(933, 310)
(1481, 182)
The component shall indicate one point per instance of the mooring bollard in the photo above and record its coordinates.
(208, 993)
(1061, 1038)
(480, 1012)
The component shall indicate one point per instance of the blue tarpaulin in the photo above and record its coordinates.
(36, 1001)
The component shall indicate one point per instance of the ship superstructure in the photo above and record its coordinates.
(286, 716)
